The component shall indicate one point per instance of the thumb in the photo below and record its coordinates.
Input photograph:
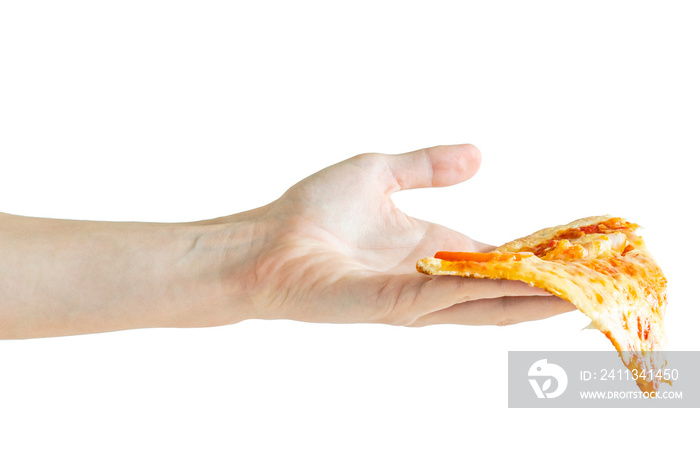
(434, 166)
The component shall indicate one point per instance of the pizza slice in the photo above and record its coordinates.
(597, 263)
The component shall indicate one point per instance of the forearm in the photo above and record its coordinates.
(62, 277)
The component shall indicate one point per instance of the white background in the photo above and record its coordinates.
(178, 111)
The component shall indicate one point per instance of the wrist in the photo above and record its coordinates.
(222, 260)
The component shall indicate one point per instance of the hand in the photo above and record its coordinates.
(334, 248)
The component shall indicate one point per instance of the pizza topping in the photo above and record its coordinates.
(591, 246)
(614, 228)
(480, 256)
(609, 225)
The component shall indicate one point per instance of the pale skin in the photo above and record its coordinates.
(333, 248)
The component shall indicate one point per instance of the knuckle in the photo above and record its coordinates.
(374, 165)
(368, 160)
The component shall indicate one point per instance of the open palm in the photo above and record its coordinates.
(342, 252)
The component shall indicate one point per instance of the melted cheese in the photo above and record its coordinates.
(592, 246)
